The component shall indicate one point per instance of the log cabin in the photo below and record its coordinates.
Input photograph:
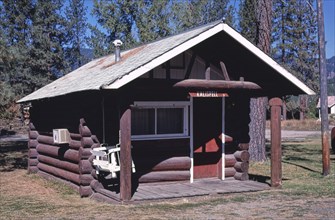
(176, 109)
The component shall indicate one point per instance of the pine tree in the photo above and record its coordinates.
(33, 40)
(306, 48)
(141, 21)
(7, 95)
(48, 39)
(116, 21)
(152, 20)
(255, 25)
(248, 19)
(76, 25)
(98, 42)
(15, 31)
(188, 14)
(295, 40)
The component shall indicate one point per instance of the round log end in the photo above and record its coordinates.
(85, 131)
(241, 176)
(242, 155)
(243, 146)
(32, 169)
(85, 191)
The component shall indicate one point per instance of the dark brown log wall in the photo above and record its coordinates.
(161, 160)
(68, 162)
(66, 112)
(156, 160)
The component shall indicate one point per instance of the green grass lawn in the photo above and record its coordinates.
(302, 169)
(305, 194)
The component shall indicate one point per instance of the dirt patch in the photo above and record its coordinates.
(289, 135)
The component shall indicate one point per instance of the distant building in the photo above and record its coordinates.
(331, 105)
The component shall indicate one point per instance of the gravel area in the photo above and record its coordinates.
(288, 135)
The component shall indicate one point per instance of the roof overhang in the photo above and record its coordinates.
(103, 73)
(164, 57)
(267, 59)
(200, 38)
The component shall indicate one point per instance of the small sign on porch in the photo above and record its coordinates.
(210, 94)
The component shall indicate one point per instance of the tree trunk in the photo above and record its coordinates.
(284, 110)
(303, 99)
(257, 128)
(258, 105)
(264, 17)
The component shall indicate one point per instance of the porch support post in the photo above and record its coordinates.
(276, 151)
(191, 141)
(125, 155)
(223, 140)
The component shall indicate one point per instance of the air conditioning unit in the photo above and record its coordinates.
(61, 136)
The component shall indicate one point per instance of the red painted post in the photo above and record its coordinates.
(276, 151)
(125, 156)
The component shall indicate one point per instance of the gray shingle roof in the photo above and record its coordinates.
(104, 71)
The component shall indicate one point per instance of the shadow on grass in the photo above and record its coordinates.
(298, 165)
(295, 158)
(260, 178)
(13, 155)
(11, 164)
(299, 148)
(13, 146)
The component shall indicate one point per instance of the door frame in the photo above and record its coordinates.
(207, 94)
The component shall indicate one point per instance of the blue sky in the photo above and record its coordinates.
(329, 16)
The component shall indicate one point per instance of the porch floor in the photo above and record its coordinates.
(199, 187)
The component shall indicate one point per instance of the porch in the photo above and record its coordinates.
(171, 190)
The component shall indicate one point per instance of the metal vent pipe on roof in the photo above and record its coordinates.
(117, 43)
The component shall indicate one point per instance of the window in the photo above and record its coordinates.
(159, 120)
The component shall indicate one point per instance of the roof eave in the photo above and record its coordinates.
(164, 57)
(198, 39)
(267, 59)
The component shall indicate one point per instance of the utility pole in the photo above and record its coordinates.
(323, 92)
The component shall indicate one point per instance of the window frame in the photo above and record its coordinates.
(164, 104)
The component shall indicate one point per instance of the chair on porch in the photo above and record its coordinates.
(107, 159)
